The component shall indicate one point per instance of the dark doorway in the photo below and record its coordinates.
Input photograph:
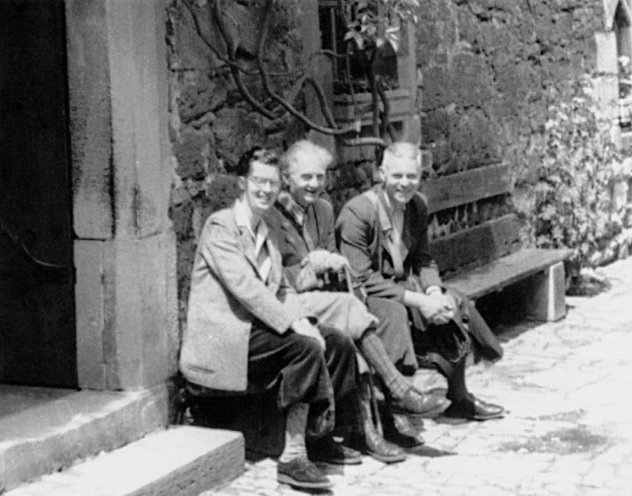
(37, 317)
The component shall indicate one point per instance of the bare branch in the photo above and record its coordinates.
(231, 48)
(232, 63)
(334, 131)
(287, 104)
(326, 53)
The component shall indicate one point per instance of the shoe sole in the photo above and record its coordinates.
(385, 459)
(286, 479)
(491, 417)
(478, 418)
(346, 461)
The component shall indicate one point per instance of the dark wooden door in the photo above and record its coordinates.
(37, 327)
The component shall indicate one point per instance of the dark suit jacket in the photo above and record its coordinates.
(361, 234)
(319, 227)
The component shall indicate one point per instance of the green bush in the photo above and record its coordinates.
(574, 180)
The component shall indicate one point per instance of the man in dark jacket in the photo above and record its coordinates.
(304, 224)
(383, 235)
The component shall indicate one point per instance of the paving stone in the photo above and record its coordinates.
(568, 429)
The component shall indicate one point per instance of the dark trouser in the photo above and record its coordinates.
(403, 343)
(486, 344)
(394, 332)
(296, 365)
(483, 344)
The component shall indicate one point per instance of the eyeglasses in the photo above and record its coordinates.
(260, 182)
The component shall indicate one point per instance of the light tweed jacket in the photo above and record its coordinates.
(226, 295)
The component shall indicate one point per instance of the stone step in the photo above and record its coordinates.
(46, 430)
(180, 461)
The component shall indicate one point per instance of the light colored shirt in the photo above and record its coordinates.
(396, 214)
(397, 220)
(258, 237)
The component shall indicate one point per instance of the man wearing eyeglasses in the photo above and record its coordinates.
(384, 235)
(246, 327)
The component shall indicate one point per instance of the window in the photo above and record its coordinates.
(350, 69)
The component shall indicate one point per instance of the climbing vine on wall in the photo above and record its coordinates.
(577, 167)
(371, 26)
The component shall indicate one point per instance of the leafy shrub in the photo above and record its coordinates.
(574, 178)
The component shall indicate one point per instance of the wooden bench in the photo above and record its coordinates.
(489, 256)
(477, 261)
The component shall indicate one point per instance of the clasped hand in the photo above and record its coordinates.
(323, 260)
(438, 307)
(303, 327)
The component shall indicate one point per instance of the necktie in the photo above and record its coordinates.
(264, 263)
(397, 246)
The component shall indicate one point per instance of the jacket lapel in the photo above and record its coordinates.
(274, 278)
(293, 237)
(407, 238)
(248, 247)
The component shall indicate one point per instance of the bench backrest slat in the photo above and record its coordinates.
(477, 246)
(467, 187)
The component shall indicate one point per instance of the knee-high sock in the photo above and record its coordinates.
(295, 425)
(373, 350)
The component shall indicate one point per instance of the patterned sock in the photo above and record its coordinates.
(375, 354)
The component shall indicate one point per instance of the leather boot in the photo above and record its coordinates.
(368, 440)
(379, 448)
(403, 429)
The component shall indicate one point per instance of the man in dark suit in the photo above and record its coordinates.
(383, 235)
(304, 223)
(246, 326)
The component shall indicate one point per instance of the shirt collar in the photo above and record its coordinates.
(242, 220)
(292, 207)
(390, 208)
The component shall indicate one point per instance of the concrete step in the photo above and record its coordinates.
(180, 461)
(48, 430)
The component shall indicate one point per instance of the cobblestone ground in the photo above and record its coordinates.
(568, 430)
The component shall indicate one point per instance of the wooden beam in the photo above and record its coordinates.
(467, 187)
(478, 245)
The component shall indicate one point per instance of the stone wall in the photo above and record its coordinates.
(490, 72)
(491, 68)
(210, 123)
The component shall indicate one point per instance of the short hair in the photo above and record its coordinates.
(256, 154)
(305, 149)
(401, 149)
